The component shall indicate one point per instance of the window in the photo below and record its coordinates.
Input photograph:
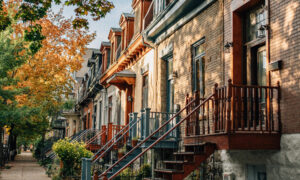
(108, 58)
(256, 172)
(255, 18)
(145, 92)
(94, 117)
(160, 5)
(99, 62)
(100, 114)
(170, 85)
(137, 19)
(110, 109)
(198, 61)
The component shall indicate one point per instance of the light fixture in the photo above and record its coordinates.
(261, 32)
(228, 45)
(175, 74)
(129, 98)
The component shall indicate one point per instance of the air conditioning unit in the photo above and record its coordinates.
(228, 176)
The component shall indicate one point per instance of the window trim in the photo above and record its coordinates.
(196, 58)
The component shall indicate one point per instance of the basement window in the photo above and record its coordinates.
(256, 172)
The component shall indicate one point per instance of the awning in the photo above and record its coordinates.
(122, 79)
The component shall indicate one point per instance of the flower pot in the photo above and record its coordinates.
(134, 142)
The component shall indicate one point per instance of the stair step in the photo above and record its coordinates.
(184, 153)
(175, 162)
(196, 144)
(169, 171)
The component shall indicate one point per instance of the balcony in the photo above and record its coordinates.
(59, 123)
(237, 117)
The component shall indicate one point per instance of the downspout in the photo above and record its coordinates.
(222, 46)
(148, 43)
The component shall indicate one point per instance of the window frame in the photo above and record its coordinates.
(201, 58)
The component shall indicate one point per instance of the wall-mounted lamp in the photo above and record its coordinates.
(261, 32)
(129, 98)
(175, 74)
(228, 45)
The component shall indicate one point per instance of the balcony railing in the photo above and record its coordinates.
(58, 124)
(236, 108)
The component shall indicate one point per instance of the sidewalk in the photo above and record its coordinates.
(24, 167)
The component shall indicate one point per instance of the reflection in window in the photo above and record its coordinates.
(254, 20)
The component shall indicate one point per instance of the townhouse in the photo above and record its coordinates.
(209, 88)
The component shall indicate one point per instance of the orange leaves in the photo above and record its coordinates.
(48, 74)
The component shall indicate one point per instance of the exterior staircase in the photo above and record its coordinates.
(185, 162)
(125, 161)
(232, 117)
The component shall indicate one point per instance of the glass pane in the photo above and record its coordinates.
(254, 19)
(262, 68)
(199, 50)
(170, 68)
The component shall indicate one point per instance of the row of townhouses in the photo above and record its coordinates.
(196, 89)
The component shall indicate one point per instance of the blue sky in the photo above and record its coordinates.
(103, 26)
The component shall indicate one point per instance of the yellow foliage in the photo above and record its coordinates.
(48, 74)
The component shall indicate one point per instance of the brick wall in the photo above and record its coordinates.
(208, 24)
(284, 45)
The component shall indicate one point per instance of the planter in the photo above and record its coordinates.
(134, 142)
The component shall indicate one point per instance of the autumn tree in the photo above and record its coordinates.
(37, 58)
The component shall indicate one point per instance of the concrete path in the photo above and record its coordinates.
(24, 167)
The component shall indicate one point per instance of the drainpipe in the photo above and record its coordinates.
(148, 43)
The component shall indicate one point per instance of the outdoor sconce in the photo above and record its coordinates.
(129, 98)
(228, 45)
(175, 74)
(261, 33)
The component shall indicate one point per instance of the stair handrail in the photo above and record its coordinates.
(158, 140)
(100, 133)
(107, 149)
(80, 135)
(110, 141)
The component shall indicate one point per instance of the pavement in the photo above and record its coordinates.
(25, 167)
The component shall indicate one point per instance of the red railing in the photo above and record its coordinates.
(236, 108)
(98, 138)
(218, 113)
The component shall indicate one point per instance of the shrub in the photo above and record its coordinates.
(144, 171)
(70, 154)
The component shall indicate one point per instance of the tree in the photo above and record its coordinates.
(36, 63)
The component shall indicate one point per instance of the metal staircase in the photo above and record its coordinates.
(185, 162)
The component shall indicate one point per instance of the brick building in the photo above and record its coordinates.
(236, 60)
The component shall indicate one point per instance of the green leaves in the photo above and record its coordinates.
(70, 153)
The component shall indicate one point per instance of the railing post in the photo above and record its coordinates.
(134, 131)
(229, 94)
(130, 127)
(147, 121)
(216, 110)
(278, 104)
(197, 124)
(142, 124)
(110, 131)
(86, 169)
(104, 135)
(177, 121)
(188, 119)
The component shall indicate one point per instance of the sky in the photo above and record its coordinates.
(102, 26)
